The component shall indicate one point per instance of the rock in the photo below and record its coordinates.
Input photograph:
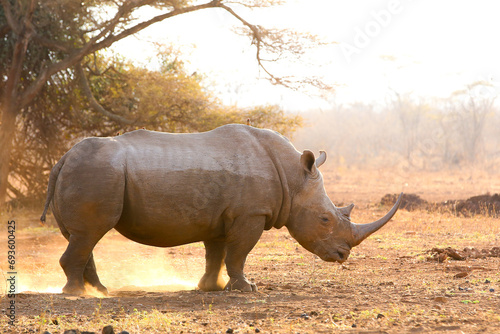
(230, 330)
(454, 254)
(380, 316)
(305, 316)
(257, 330)
(72, 331)
(108, 330)
(461, 275)
(440, 299)
(492, 290)
(442, 257)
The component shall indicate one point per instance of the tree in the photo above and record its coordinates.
(410, 114)
(470, 107)
(47, 44)
(167, 99)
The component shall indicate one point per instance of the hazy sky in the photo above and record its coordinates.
(431, 48)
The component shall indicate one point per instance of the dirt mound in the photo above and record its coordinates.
(488, 205)
(442, 254)
(409, 202)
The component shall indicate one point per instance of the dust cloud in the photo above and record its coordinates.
(125, 265)
(122, 265)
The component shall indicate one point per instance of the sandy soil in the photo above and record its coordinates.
(392, 283)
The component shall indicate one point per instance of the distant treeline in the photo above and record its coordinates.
(408, 132)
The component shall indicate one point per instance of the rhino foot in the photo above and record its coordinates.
(211, 283)
(73, 289)
(240, 284)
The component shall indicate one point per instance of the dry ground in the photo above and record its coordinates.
(388, 285)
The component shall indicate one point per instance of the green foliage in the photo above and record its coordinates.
(167, 99)
(43, 96)
(273, 117)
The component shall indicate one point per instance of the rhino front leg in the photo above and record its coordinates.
(240, 240)
(212, 279)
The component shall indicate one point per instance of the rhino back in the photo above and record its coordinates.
(227, 149)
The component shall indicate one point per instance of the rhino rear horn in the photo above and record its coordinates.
(346, 210)
(362, 231)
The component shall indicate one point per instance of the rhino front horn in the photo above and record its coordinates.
(362, 231)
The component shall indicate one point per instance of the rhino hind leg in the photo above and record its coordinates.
(78, 265)
(240, 240)
(90, 276)
(215, 254)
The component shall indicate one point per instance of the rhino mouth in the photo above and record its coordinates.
(338, 255)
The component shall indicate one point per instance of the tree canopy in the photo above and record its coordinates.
(57, 86)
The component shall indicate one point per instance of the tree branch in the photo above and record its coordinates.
(130, 31)
(94, 104)
(50, 44)
(7, 9)
(257, 40)
(77, 55)
(123, 10)
(24, 33)
(257, 3)
(17, 194)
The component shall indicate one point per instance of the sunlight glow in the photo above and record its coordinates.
(429, 48)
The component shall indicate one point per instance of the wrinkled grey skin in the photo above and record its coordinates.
(223, 187)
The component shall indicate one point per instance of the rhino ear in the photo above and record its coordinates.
(308, 162)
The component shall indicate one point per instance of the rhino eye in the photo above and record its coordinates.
(325, 219)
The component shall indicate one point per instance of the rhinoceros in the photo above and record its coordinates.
(223, 187)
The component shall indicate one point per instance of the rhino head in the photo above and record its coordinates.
(317, 224)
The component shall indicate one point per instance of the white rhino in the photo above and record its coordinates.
(223, 187)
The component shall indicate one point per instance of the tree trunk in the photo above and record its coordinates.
(7, 131)
(10, 95)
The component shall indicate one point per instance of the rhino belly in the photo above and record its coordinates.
(165, 234)
(183, 208)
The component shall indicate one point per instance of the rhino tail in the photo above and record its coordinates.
(54, 173)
